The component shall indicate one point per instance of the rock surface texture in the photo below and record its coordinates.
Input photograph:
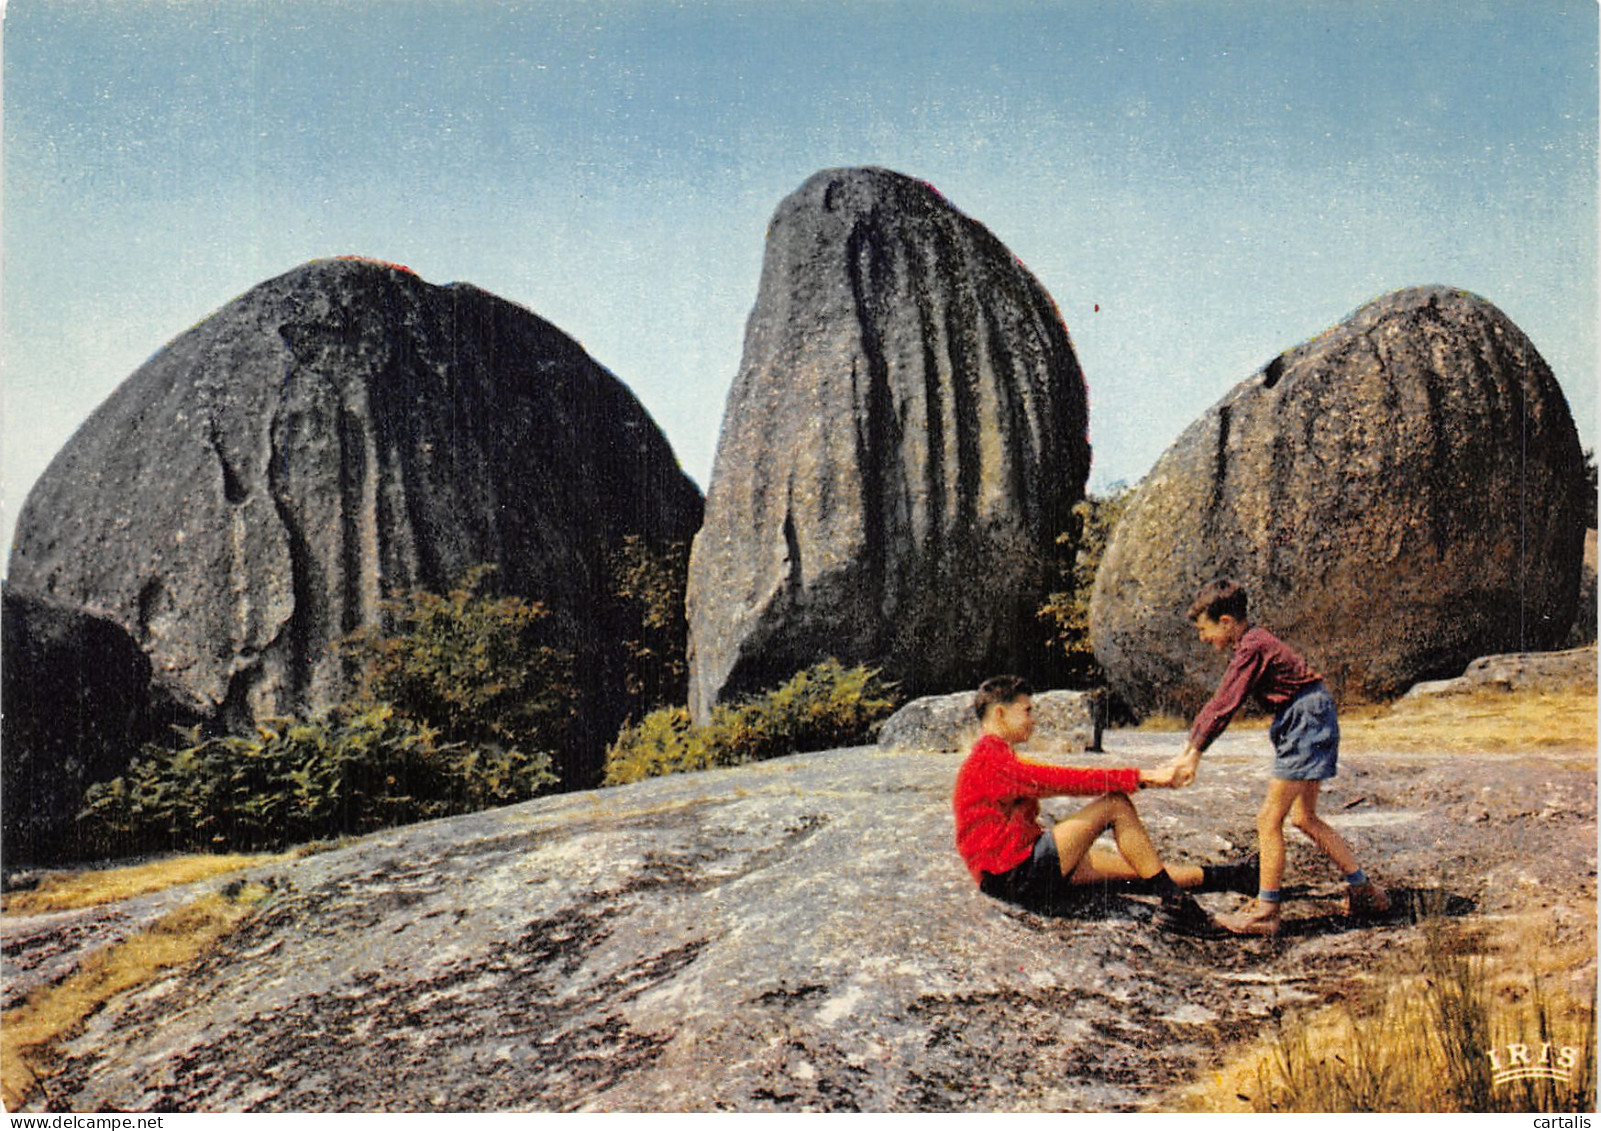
(902, 445)
(1399, 495)
(334, 435)
(1066, 722)
(76, 706)
(752, 940)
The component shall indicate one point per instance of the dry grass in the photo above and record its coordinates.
(31, 1034)
(1483, 721)
(66, 891)
(1417, 1036)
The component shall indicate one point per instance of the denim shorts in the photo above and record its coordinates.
(1038, 879)
(1306, 737)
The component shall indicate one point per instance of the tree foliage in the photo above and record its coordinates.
(1589, 489)
(467, 664)
(1067, 611)
(649, 583)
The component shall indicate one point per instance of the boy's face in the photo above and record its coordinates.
(1222, 633)
(1013, 722)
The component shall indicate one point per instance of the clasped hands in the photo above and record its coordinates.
(1176, 774)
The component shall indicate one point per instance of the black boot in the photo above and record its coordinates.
(1180, 914)
(1242, 875)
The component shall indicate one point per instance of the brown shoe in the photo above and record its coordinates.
(1367, 901)
(1258, 919)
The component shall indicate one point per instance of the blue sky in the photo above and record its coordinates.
(1222, 178)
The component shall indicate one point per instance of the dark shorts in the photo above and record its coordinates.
(1306, 737)
(1036, 880)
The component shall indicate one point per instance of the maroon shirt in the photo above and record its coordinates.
(1262, 665)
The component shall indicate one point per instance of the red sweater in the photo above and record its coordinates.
(997, 802)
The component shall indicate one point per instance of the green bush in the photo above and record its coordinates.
(1067, 611)
(458, 703)
(823, 707)
(348, 771)
(469, 665)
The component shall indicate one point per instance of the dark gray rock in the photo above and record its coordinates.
(76, 705)
(796, 934)
(337, 434)
(902, 445)
(1399, 495)
(1066, 722)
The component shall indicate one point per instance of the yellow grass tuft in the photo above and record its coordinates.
(66, 891)
(31, 1033)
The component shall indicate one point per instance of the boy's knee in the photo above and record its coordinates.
(1305, 822)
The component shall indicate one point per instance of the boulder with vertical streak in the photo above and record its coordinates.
(903, 443)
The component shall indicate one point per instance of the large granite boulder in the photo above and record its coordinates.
(902, 445)
(336, 434)
(74, 709)
(1399, 495)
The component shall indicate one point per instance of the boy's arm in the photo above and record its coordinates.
(1245, 668)
(1043, 779)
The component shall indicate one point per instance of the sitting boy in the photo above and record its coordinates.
(997, 802)
(1306, 741)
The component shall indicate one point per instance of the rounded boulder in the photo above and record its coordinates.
(1398, 495)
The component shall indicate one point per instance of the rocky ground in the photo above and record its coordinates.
(796, 935)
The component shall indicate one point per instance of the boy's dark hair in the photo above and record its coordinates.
(999, 689)
(1222, 598)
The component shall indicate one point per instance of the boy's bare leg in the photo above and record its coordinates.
(1102, 864)
(1304, 816)
(1281, 796)
(1135, 858)
(1261, 917)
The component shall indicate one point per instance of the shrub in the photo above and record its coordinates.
(347, 771)
(468, 665)
(823, 707)
(1067, 612)
(649, 583)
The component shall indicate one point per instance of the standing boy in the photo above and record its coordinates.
(997, 802)
(1306, 743)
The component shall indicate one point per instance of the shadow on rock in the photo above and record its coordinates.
(1408, 907)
